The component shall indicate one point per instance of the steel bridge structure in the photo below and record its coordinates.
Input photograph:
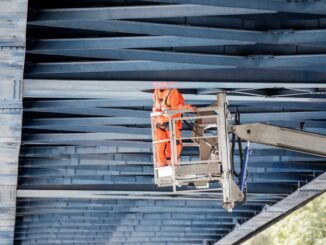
(76, 86)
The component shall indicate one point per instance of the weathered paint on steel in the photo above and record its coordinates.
(12, 55)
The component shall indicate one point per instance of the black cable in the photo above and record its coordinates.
(237, 122)
(232, 155)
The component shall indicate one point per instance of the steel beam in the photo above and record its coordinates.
(158, 29)
(113, 66)
(292, 62)
(125, 85)
(272, 37)
(142, 12)
(44, 45)
(280, 6)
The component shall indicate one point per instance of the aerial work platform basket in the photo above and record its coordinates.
(209, 134)
(211, 162)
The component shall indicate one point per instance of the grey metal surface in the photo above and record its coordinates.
(13, 19)
(86, 174)
(280, 6)
(290, 139)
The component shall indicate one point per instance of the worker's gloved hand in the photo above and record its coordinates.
(188, 107)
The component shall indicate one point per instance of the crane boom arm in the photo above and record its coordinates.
(296, 140)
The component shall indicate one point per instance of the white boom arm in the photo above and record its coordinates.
(287, 138)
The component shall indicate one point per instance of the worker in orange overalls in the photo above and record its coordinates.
(167, 99)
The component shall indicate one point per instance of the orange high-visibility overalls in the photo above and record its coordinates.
(163, 100)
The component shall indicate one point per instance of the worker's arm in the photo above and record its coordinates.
(178, 103)
(154, 108)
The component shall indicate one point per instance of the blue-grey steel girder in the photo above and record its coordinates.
(142, 12)
(269, 37)
(163, 74)
(132, 85)
(318, 7)
(159, 29)
(293, 62)
(127, 42)
(246, 117)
